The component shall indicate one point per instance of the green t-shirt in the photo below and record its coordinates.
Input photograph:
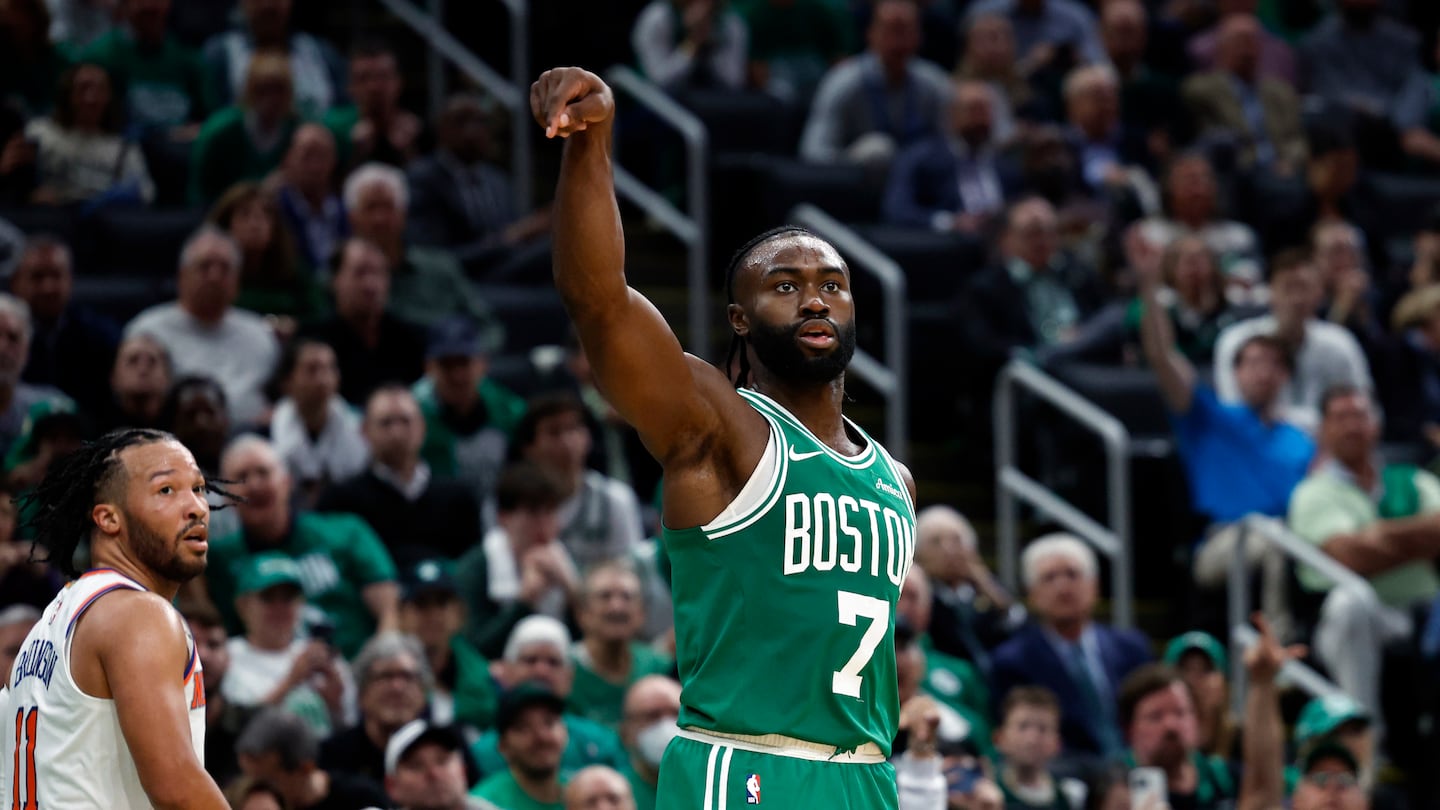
(600, 700)
(504, 791)
(477, 456)
(590, 744)
(1013, 800)
(1328, 503)
(814, 29)
(163, 86)
(643, 791)
(223, 154)
(958, 684)
(338, 555)
(475, 695)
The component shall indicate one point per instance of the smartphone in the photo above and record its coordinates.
(1148, 789)
(321, 630)
(960, 778)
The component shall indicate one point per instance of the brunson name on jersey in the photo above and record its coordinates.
(36, 662)
(823, 531)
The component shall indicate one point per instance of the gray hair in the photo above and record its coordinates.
(1083, 75)
(372, 174)
(246, 442)
(15, 307)
(19, 614)
(276, 731)
(1058, 544)
(385, 647)
(210, 231)
(936, 518)
(538, 629)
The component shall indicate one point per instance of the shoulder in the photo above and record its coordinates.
(1331, 336)
(228, 118)
(658, 16)
(844, 77)
(1204, 83)
(933, 74)
(249, 323)
(129, 617)
(1429, 486)
(161, 316)
(332, 525)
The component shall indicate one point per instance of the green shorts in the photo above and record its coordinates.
(697, 775)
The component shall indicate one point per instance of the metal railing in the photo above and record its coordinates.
(1012, 487)
(890, 378)
(691, 228)
(1297, 549)
(511, 93)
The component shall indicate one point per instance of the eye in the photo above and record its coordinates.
(785, 287)
(166, 490)
(831, 286)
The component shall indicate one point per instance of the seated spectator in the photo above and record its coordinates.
(1149, 99)
(1237, 101)
(73, 348)
(1059, 33)
(870, 106)
(432, 611)
(1378, 520)
(427, 285)
(971, 613)
(1158, 715)
(318, 70)
(195, 411)
(1324, 354)
(1194, 295)
(314, 430)
(1051, 170)
(1362, 63)
(416, 514)
(373, 345)
(1339, 251)
(1276, 57)
(22, 580)
(82, 154)
(1028, 737)
(1407, 371)
(957, 684)
(599, 517)
(348, 575)
(532, 738)
(599, 786)
(279, 749)
(249, 140)
(957, 181)
(271, 281)
(1105, 149)
(30, 62)
(792, 44)
(1082, 661)
(468, 416)
(159, 77)
(1202, 663)
(223, 720)
(652, 709)
(204, 333)
(463, 203)
(53, 429)
(1035, 297)
(1329, 777)
(17, 397)
(920, 711)
(309, 207)
(1192, 207)
(537, 654)
(691, 45)
(1340, 720)
(392, 679)
(272, 664)
(1239, 458)
(16, 621)
(139, 382)
(989, 57)
(521, 566)
(609, 657)
(374, 127)
(425, 769)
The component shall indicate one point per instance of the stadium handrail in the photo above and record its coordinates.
(1013, 487)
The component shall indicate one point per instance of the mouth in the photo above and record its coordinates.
(816, 334)
(197, 537)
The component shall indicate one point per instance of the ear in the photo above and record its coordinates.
(739, 321)
(107, 518)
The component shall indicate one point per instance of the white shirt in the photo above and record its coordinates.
(254, 673)
(338, 453)
(240, 352)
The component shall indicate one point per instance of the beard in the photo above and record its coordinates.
(163, 555)
(777, 348)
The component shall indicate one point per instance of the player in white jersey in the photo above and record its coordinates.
(105, 705)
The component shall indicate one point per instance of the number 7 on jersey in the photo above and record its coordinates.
(854, 606)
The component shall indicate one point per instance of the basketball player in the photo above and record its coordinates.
(789, 529)
(105, 707)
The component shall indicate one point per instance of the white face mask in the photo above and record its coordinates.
(652, 740)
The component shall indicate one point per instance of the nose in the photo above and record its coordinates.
(815, 306)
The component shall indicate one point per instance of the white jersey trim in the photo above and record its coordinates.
(760, 492)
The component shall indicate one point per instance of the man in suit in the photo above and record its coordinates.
(971, 612)
(1082, 661)
(1235, 98)
(954, 181)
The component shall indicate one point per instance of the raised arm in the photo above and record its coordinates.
(134, 651)
(673, 400)
(1262, 785)
(1173, 373)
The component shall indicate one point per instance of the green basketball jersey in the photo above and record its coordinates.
(785, 603)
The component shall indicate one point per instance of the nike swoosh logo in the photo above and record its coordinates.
(794, 456)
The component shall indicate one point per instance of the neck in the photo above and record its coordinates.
(1363, 469)
(1292, 332)
(366, 325)
(395, 252)
(270, 640)
(404, 470)
(271, 529)
(894, 71)
(378, 733)
(1026, 775)
(110, 553)
(314, 197)
(819, 407)
(609, 657)
(544, 789)
(1069, 629)
(1180, 776)
(144, 404)
(439, 656)
(206, 317)
(7, 393)
(314, 414)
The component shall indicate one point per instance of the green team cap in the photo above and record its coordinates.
(266, 571)
(1323, 715)
(1206, 644)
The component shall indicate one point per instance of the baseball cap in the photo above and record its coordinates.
(266, 571)
(1327, 749)
(426, 577)
(415, 732)
(455, 337)
(514, 703)
(1323, 715)
(1200, 641)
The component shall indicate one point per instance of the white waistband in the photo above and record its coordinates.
(782, 746)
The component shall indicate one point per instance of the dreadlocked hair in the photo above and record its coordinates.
(60, 506)
(737, 343)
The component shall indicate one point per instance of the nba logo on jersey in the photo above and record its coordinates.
(752, 788)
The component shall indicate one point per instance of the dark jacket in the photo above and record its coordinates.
(925, 180)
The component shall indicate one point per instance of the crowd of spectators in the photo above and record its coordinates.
(442, 589)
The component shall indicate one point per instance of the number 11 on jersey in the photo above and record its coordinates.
(854, 606)
(25, 723)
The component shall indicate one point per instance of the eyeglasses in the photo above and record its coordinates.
(1325, 780)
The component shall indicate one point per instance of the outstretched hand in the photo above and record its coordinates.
(569, 100)
(1265, 657)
